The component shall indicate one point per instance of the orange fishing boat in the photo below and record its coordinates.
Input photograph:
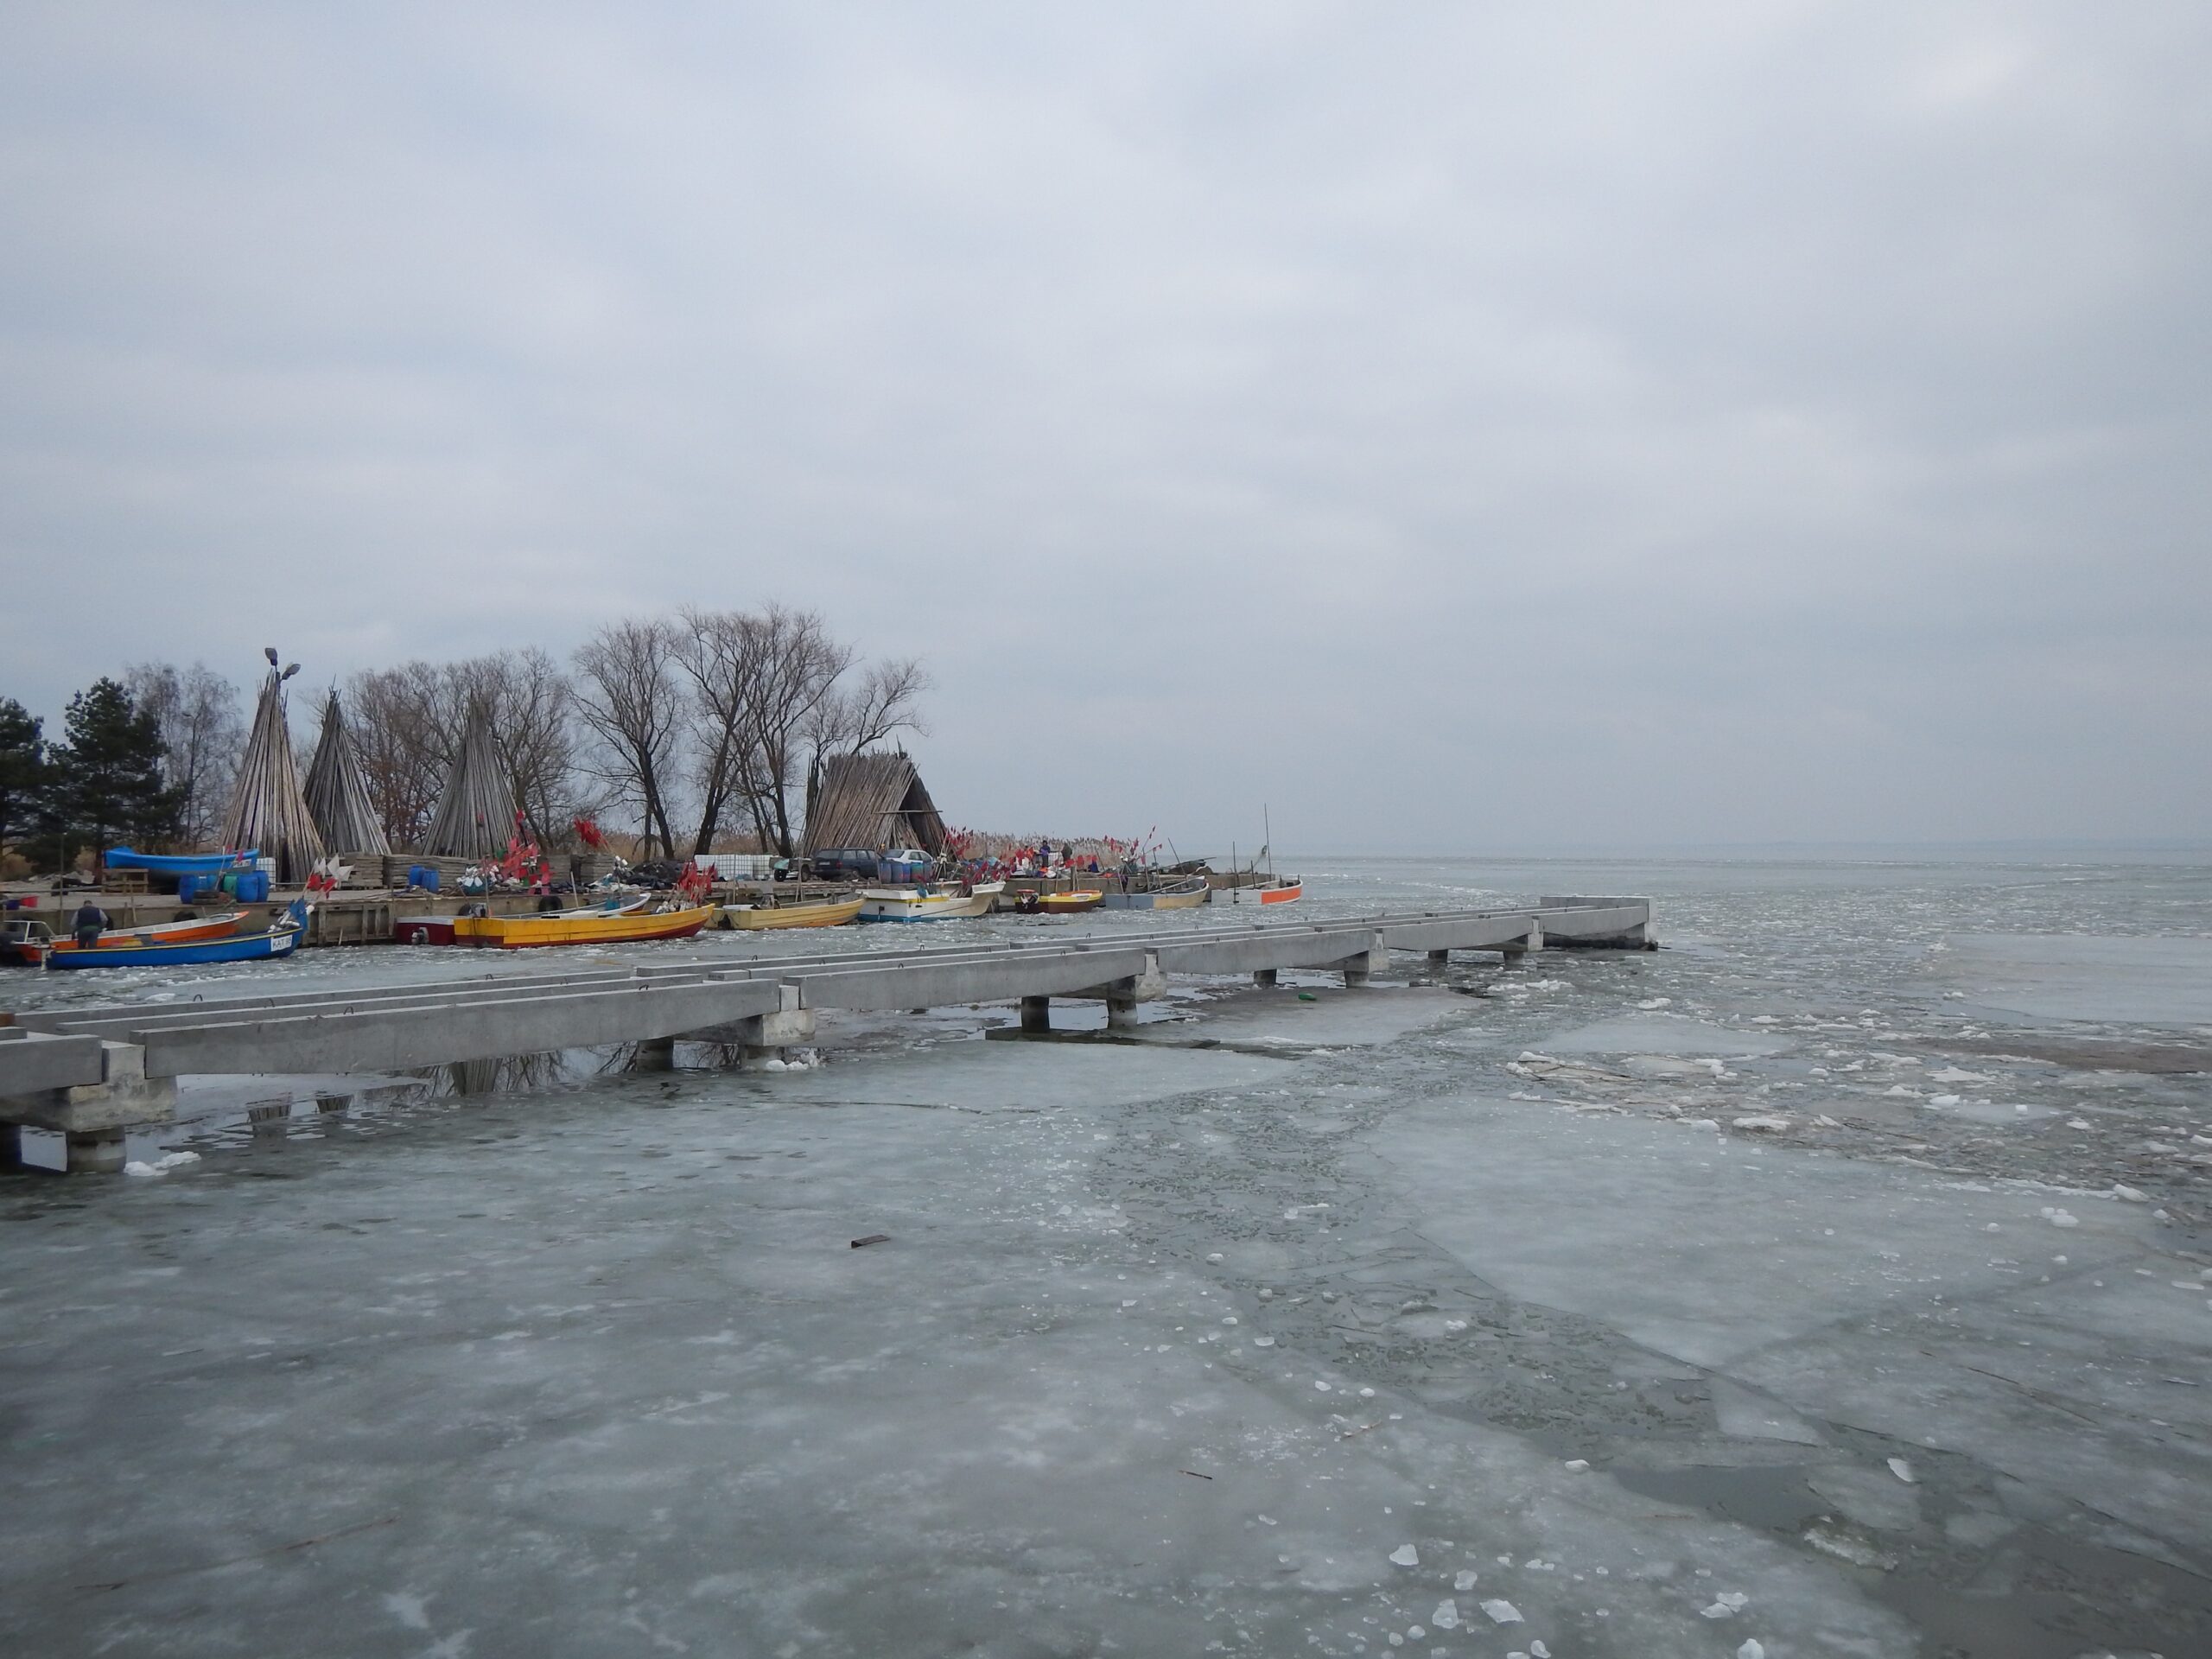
(183, 932)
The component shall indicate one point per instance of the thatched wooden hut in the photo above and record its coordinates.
(875, 799)
(476, 814)
(267, 809)
(337, 793)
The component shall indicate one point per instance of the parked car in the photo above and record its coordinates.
(845, 864)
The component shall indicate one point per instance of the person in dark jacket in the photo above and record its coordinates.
(90, 923)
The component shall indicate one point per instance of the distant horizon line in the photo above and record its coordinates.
(2131, 844)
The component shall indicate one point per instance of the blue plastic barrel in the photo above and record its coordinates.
(253, 887)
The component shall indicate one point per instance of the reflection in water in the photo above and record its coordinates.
(505, 1074)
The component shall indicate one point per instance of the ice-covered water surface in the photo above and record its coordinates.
(1832, 1281)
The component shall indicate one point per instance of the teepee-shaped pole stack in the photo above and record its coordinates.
(476, 815)
(268, 811)
(337, 794)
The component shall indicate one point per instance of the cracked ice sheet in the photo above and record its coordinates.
(1700, 1246)
(1655, 1035)
(580, 1372)
(1338, 1016)
(1728, 1259)
(2134, 982)
(979, 1076)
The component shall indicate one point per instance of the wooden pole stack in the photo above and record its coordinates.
(476, 815)
(338, 795)
(268, 811)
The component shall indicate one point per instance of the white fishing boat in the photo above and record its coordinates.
(928, 904)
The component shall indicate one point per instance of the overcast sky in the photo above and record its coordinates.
(1453, 426)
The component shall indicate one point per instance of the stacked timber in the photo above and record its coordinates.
(338, 795)
(268, 811)
(476, 815)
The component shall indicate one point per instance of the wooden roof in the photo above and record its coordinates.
(876, 800)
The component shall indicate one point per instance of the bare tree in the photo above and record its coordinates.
(630, 700)
(405, 745)
(800, 667)
(884, 702)
(719, 653)
(203, 733)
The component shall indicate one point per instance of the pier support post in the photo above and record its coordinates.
(1036, 1013)
(94, 1116)
(1264, 978)
(1122, 1005)
(1439, 958)
(655, 1054)
(1358, 970)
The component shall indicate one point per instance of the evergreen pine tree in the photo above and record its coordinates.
(23, 768)
(108, 773)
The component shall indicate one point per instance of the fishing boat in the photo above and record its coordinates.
(122, 858)
(928, 904)
(439, 930)
(183, 932)
(1069, 904)
(23, 940)
(831, 912)
(278, 941)
(1182, 893)
(1272, 890)
(630, 924)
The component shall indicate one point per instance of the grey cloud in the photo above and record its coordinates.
(1450, 426)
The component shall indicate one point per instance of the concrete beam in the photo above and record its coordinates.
(124, 1096)
(33, 1062)
(394, 1041)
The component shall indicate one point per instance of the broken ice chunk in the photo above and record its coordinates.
(1406, 1555)
(1578, 1464)
(1466, 1580)
(1502, 1612)
(1750, 1650)
(1902, 1470)
(1447, 1616)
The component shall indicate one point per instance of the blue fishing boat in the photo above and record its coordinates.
(279, 941)
(122, 858)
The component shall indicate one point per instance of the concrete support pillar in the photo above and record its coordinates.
(1036, 1013)
(1358, 970)
(1120, 1005)
(96, 1152)
(93, 1116)
(654, 1054)
(1152, 983)
(1264, 978)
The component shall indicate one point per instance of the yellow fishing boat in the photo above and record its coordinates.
(1069, 904)
(828, 912)
(574, 927)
